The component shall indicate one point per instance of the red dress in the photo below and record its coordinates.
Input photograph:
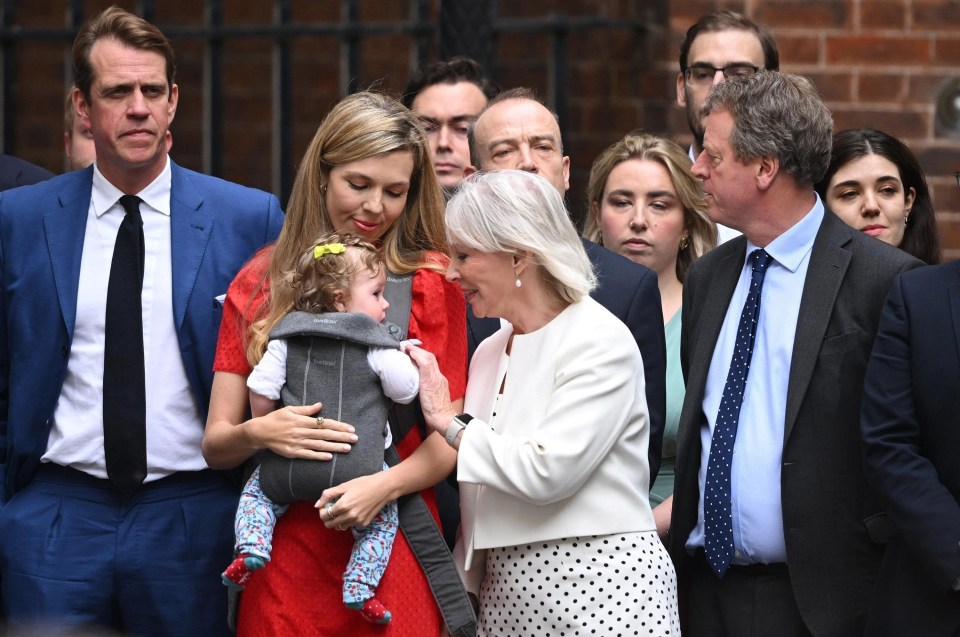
(299, 592)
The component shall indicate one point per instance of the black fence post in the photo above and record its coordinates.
(282, 103)
(212, 132)
(466, 28)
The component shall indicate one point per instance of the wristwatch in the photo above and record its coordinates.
(458, 424)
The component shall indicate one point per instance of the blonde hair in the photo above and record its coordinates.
(702, 231)
(315, 284)
(360, 126)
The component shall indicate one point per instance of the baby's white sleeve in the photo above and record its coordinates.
(270, 373)
(398, 375)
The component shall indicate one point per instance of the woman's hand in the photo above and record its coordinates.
(229, 439)
(302, 432)
(662, 513)
(434, 390)
(355, 502)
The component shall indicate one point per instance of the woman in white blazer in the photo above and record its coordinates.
(557, 535)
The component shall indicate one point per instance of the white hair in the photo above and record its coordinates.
(516, 212)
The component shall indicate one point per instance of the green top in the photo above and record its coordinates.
(675, 391)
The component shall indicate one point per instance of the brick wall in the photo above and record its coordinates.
(878, 63)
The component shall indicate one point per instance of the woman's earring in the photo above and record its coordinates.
(519, 282)
(323, 189)
(906, 218)
(684, 242)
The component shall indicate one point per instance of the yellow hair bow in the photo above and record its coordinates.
(327, 248)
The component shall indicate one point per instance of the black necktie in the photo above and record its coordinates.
(124, 392)
(717, 506)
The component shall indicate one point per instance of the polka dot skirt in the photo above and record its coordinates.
(608, 585)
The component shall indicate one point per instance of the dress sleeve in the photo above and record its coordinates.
(438, 317)
(245, 299)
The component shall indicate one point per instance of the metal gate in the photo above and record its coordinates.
(436, 30)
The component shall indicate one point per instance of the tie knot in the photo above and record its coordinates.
(760, 259)
(131, 204)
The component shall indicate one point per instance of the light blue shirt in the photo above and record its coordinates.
(758, 451)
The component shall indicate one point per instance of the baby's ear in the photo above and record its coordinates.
(340, 301)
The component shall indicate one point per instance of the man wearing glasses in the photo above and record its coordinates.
(719, 45)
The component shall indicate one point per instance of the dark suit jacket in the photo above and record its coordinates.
(911, 432)
(830, 554)
(630, 292)
(215, 226)
(15, 172)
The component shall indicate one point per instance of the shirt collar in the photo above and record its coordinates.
(156, 195)
(791, 247)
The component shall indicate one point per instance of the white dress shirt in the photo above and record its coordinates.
(174, 424)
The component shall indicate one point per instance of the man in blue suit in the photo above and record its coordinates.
(92, 536)
(516, 131)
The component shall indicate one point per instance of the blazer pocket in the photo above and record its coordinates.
(840, 343)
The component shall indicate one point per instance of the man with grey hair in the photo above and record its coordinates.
(775, 539)
(517, 131)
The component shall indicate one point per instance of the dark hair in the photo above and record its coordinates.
(130, 31)
(518, 93)
(920, 237)
(457, 69)
(731, 21)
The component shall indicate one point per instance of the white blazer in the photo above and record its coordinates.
(566, 453)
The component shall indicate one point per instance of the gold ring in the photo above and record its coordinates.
(320, 420)
(341, 527)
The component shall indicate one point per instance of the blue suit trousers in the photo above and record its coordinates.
(76, 554)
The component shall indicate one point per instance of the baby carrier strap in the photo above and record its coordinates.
(416, 521)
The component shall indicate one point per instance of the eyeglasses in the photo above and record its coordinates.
(701, 75)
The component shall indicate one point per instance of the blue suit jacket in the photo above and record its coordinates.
(215, 227)
(910, 420)
(630, 292)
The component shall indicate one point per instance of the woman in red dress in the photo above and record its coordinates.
(367, 171)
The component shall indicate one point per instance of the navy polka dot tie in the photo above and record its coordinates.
(717, 514)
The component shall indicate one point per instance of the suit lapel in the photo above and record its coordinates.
(63, 227)
(828, 266)
(720, 288)
(954, 292)
(190, 231)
